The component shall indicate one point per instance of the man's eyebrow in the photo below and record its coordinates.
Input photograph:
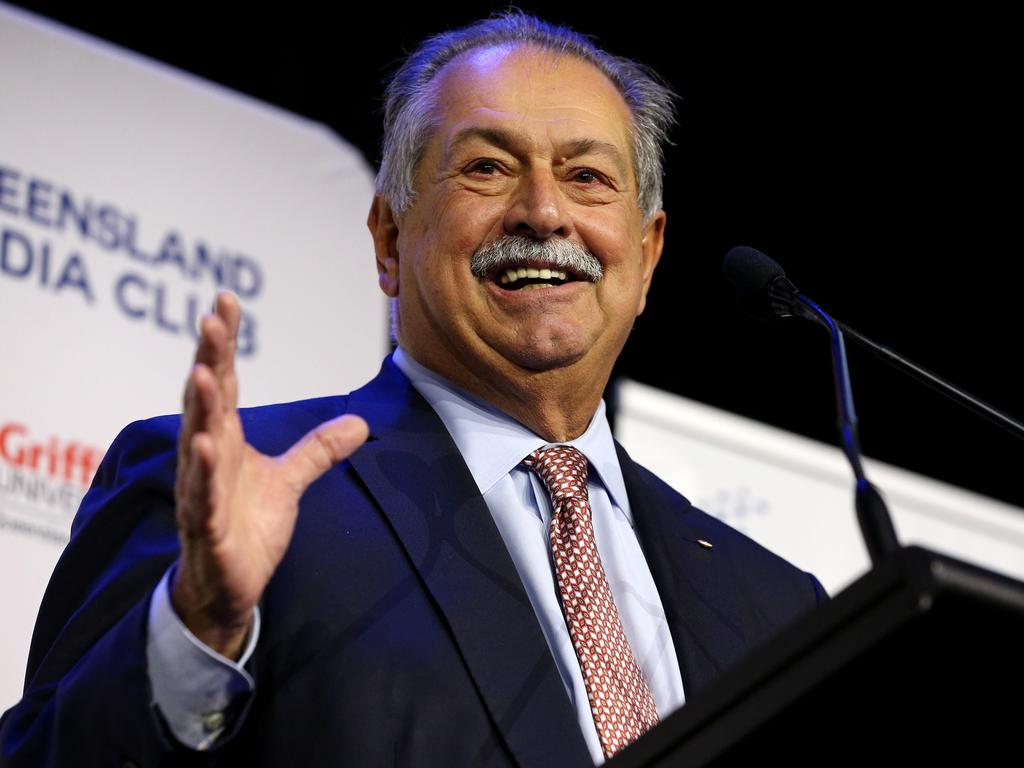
(501, 139)
(510, 142)
(579, 147)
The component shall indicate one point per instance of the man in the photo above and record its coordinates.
(398, 603)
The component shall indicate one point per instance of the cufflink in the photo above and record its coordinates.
(705, 544)
(213, 721)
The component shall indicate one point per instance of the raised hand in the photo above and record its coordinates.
(236, 507)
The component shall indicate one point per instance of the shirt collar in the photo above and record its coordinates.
(492, 443)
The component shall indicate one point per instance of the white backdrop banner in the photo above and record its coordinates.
(795, 495)
(130, 193)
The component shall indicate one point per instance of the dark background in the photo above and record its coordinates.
(875, 154)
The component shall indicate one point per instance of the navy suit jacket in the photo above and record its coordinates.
(396, 630)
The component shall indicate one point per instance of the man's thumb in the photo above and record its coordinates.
(322, 448)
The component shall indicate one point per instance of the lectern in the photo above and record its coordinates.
(919, 662)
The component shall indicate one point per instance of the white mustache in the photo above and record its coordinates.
(517, 250)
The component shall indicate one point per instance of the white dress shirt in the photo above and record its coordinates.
(493, 446)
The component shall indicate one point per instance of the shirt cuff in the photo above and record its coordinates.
(193, 686)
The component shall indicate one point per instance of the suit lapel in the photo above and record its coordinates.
(417, 476)
(692, 581)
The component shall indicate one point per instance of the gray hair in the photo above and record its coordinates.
(409, 100)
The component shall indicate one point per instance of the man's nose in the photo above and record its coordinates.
(539, 208)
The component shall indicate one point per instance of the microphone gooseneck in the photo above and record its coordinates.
(764, 291)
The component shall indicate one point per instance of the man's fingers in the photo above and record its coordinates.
(218, 332)
(230, 312)
(201, 414)
(194, 512)
(322, 448)
(213, 333)
(189, 415)
(194, 416)
(203, 406)
(214, 366)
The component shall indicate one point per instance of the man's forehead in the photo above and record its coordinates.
(499, 84)
(521, 65)
(492, 56)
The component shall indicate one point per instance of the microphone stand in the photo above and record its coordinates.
(937, 383)
(872, 514)
(764, 291)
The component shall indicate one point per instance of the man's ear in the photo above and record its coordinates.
(384, 230)
(650, 247)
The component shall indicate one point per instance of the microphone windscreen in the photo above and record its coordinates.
(750, 270)
(758, 279)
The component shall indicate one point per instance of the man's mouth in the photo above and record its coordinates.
(517, 263)
(532, 278)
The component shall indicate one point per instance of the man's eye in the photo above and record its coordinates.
(587, 177)
(486, 167)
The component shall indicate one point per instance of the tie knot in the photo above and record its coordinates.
(563, 470)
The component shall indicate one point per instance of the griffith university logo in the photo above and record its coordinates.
(42, 480)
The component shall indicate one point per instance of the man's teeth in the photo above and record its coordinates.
(511, 275)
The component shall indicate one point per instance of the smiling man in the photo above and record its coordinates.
(489, 580)
(529, 165)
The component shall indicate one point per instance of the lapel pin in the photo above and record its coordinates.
(705, 544)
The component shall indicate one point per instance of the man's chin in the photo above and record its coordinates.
(542, 358)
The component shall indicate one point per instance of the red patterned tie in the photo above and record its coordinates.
(620, 700)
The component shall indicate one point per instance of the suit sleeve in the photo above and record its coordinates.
(87, 698)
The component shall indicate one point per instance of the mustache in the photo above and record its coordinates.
(517, 250)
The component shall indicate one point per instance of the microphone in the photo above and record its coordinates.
(764, 291)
